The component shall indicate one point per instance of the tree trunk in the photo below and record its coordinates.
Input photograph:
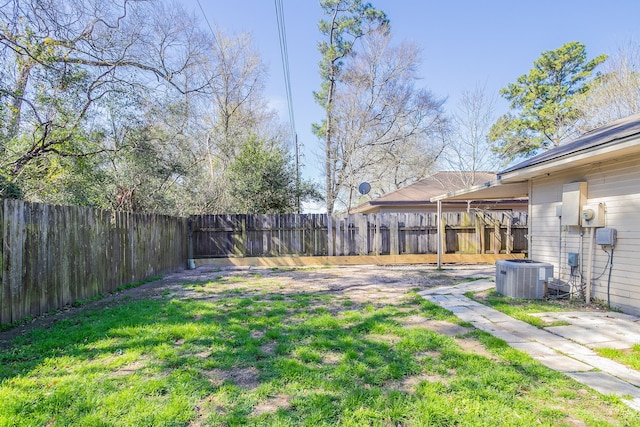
(15, 114)
(329, 182)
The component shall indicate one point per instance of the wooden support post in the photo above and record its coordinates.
(440, 234)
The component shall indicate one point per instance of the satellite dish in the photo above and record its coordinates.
(364, 188)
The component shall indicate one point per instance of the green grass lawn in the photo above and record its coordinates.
(522, 309)
(255, 356)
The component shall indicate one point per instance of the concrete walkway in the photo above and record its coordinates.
(566, 349)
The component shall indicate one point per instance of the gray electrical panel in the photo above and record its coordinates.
(606, 236)
(573, 259)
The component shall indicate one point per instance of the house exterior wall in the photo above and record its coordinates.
(616, 184)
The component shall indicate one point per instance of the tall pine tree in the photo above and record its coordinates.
(543, 103)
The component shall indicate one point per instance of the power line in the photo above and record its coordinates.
(284, 54)
(204, 15)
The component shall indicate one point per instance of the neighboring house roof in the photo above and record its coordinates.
(420, 192)
(616, 139)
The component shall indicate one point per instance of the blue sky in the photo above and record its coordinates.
(464, 44)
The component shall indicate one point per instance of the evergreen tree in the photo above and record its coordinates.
(543, 103)
(263, 180)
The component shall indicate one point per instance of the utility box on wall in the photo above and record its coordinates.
(574, 196)
(573, 259)
(606, 236)
(593, 215)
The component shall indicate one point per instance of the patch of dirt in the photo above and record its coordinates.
(246, 378)
(361, 285)
(331, 358)
(269, 348)
(257, 334)
(272, 404)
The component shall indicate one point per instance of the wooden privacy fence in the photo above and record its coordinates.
(476, 232)
(52, 256)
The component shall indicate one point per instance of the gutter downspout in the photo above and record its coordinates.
(530, 222)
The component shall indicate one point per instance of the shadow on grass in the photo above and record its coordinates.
(263, 359)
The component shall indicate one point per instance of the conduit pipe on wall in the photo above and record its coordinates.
(560, 269)
(589, 265)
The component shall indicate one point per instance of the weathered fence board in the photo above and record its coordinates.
(52, 256)
(482, 232)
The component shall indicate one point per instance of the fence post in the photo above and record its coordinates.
(480, 232)
(15, 238)
(509, 236)
(5, 310)
(444, 236)
(346, 248)
(330, 247)
(240, 236)
(339, 235)
(497, 239)
(378, 235)
(190, 261)
(394, 235)
(362, 241)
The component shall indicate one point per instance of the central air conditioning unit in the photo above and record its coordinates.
(523, 278)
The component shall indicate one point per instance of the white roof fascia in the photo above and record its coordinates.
(580, 158)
